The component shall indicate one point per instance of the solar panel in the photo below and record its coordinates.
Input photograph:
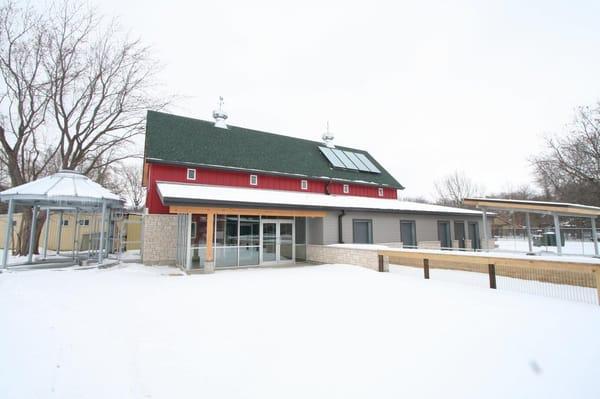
(361, 166)
(349, 160)
(368, 163)
(345, 160)
(333, 160)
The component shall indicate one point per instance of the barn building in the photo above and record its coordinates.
(225, 196)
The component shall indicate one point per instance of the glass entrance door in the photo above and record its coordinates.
(277, 241)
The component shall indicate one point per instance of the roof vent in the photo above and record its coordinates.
(328, 137)
(220, 115)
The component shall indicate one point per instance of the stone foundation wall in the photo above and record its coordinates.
(347, 255)
(160, 240)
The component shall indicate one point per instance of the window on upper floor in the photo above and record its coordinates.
(253, 180)
(346, 189)
(380, 192)
(304, 184)
(191, 174)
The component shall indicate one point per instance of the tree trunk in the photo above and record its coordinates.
(24, 232)
(38, 231)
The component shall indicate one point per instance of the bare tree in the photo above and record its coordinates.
(419, 199)
(130, 184)
(569, 169)
(453, 188)
(23, 101)
(101, 86)
(74, 93)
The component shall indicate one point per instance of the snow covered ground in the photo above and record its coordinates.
(305, 332)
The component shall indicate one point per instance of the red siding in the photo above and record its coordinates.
(160, 172)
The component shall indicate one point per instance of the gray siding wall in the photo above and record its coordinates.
(386, 226)
(314, 231)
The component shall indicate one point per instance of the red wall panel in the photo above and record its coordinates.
(172, 173)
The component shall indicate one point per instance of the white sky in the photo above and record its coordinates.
(427, 87)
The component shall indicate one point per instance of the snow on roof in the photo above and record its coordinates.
(66, 185)
(544, 206)
(177, 193)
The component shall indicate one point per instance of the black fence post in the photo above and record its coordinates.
(492, 271)
(426, 268)
(380, 263)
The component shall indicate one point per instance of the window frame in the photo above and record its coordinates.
(439, 224)
(370, 230)
(413, 224)
(304, 184)
(255, 177)
(193, 229)
(346, 189)
(187, 174)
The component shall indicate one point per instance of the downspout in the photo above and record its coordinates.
(327, 192)
(340, 216)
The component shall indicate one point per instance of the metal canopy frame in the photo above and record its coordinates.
(555, 209)
(39, 196)
(103, 207)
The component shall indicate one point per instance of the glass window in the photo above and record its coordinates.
(226, 257)
(444, 234)
(198, 230)
(380, 192)
(408, 234)
(191, 174)
(346, 189)
(226, 236)
(253, 180)
(249, 251)
(226, 231)
(300, 236)
(362, 231)
(249, 256)
(249, 230)
(304, 184)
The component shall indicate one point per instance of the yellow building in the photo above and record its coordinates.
(125, 232)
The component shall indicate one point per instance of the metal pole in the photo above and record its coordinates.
(34, 212)
(60, 226)
(108, 231)
(75, 233)
(8, 236)
(102, 225)
(485, 231)
(595, 237)
(46, 232)
(557, 234)
(188, 262)
(529, 238)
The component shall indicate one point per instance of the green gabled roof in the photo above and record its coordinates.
(177, 139)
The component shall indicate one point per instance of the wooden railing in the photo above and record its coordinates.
(535, 268)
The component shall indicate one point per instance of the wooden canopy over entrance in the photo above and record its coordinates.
(204, 210)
